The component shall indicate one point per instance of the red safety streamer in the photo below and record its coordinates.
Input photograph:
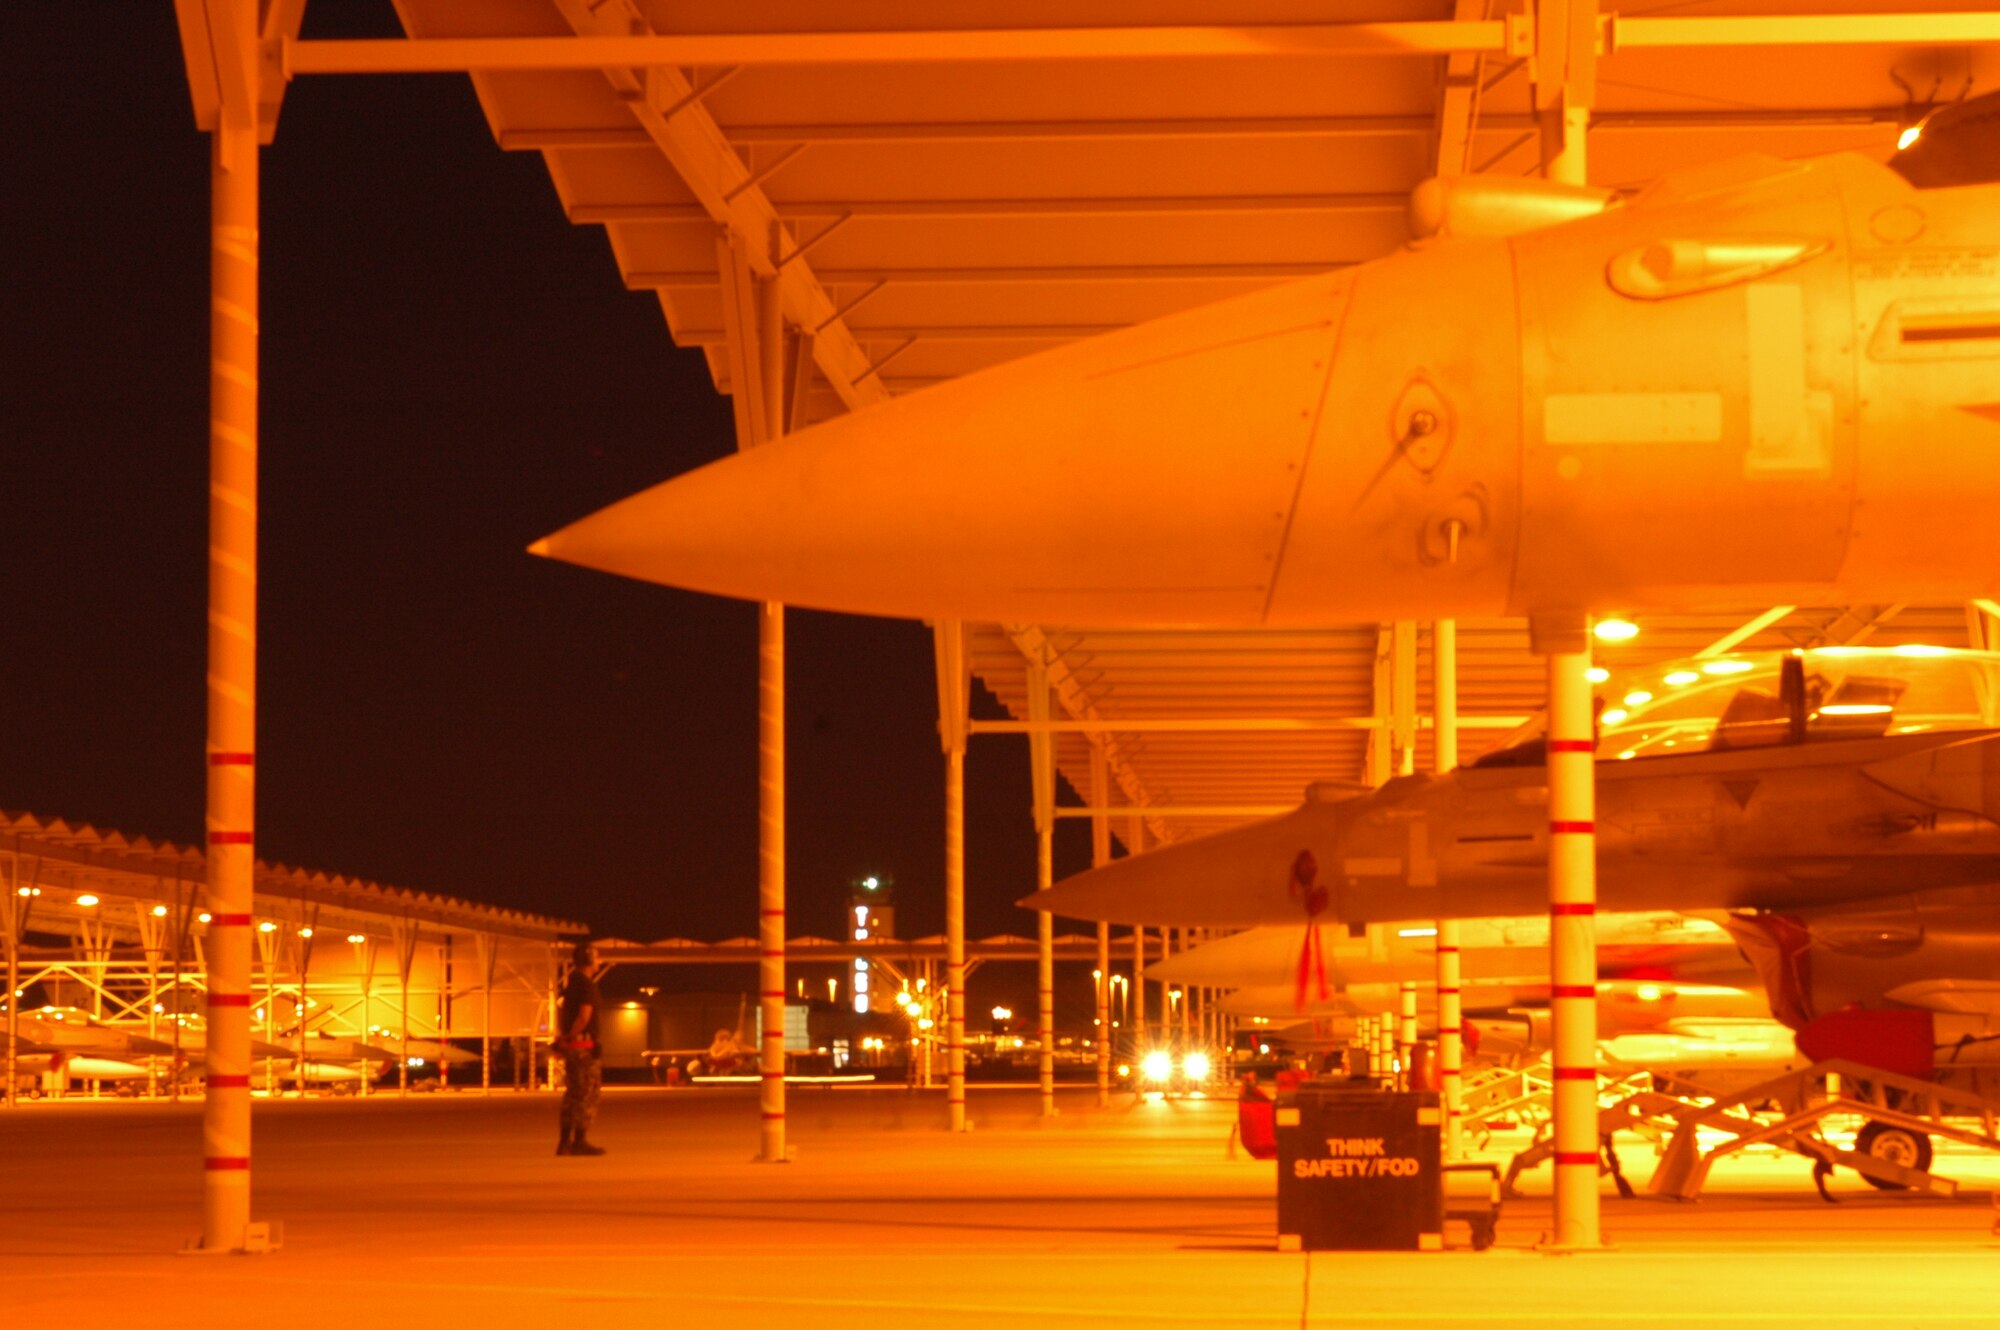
(1312, 954)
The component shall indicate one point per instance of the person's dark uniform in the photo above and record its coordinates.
(576, 1040)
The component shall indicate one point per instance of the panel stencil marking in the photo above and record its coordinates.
(1578, 418)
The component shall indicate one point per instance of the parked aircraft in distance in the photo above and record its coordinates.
(1842, 805)
(1759, 381)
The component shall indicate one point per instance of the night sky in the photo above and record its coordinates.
(450, 370)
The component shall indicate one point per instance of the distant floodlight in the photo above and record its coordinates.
(203, 917)
(1909, 136)
(357, 938)
(267, 927)
(1157, 1065)
(86, 901)
(1597, 674)
(1616, 630)
(1195, 1066)
(159, 911)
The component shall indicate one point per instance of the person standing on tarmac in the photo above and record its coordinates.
(576, 1040)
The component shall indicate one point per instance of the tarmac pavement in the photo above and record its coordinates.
(453, 1208)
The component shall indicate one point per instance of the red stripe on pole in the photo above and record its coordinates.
(231, 838)
(772, 1075)
(1448, 991)
(1572, 828)
(1572, 907)
(1450, 1029)
(232, 759)
(228, 999)
(1576, 1073)
(1572, 746)
(229, 1082)
(771, 954)
(772, 914)
(779, 993)
(1573, 990)
(229, 921)
(220, 1162)
(1576, 1159)
(1447, 951)
(774, 1117)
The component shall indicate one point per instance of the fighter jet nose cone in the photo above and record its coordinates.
(1232, 878)
(1140, 477)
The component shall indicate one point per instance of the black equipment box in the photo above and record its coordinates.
(1358, 1170)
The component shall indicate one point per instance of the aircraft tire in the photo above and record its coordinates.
(1898, 1145)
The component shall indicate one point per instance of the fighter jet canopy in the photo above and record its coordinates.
(1765, 699)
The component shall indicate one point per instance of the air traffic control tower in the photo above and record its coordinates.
(871, 913)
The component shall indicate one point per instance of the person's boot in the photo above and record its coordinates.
(567, 1145)
(579, 1146)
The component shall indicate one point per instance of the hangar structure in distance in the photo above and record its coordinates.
(336, 958)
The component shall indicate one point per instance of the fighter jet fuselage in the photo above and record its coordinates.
(1758, 382)
(1770, 828)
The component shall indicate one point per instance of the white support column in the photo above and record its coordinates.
(15, 916)
(771, 1147)
(406, 937)
(366, 949)
(1406, 1028)
(1572, 930)
(488, 947)
(1564, 86)
(1041, 752)
(1450, 1002)
(1100, 855)
(232, 637)
(953, 713)
(1403, 695)
(753, 323)
(302, 942)
(1187, 1006)
(1135, 843)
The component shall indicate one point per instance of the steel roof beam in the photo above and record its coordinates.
(1179, 205)
(1513, 36)
(445, 55)
(1050, 332)
(1361, 126)
(667, 107)
(671, 279)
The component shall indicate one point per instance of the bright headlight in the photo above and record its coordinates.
(1157, 1065)
(1195, 1066)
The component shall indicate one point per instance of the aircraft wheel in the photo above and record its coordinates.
(1896, 1145)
